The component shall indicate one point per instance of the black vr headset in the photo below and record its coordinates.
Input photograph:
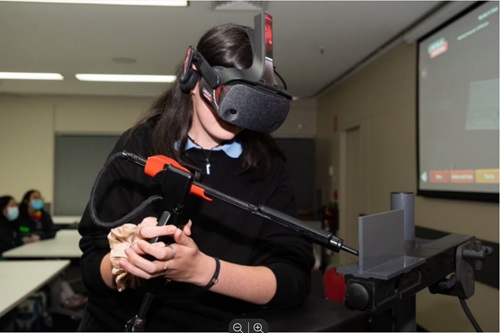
(249, 98)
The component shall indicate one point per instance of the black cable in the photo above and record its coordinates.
(281, 78)
(124, 219)
(469, 315)
(138, 322)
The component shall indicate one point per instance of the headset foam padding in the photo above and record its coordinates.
(253, 107)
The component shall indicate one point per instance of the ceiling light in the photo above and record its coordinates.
(239, 5)
(125, 78)
(30, 76)
(172, 3)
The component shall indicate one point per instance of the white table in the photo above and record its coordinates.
(19, 279)
(64, 245)
(65, 220)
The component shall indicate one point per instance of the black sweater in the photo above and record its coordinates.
(219, 230)
(44, 228)
(8, 235)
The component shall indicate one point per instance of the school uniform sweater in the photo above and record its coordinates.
(219, 230)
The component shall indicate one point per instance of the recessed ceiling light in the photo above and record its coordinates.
(125, 78)
(237, 5)
(30, 76)
(172, 3)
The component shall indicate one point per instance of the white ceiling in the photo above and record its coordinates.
(316, 42)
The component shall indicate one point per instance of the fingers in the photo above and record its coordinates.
(181, 238)
(143, 267)
(187, 228)
(147, 229)
(137, 265)
(149, 221)
(148, 260)
(174, 252)
(154, 231)
(158, 250)
(152, 265)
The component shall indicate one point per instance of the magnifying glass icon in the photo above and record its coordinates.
(257, 327)
(237, 327)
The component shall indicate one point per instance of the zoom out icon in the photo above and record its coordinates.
(248, 325)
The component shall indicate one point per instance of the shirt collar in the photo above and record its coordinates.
(232, 148)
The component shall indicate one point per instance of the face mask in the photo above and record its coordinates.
(12, 213)
(37, 204)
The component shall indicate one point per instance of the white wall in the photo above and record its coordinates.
(28, 125)
(26, 146)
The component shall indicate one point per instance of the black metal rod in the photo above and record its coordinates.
(316, 235)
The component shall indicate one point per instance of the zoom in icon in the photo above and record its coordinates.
(248, 325)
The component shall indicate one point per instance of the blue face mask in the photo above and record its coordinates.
(37, 204)
(12, 213)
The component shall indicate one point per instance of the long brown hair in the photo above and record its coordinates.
(171, 115)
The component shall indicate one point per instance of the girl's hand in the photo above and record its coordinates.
(180, 261)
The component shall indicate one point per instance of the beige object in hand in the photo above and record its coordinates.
(120, 239)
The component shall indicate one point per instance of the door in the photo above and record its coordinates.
(351, 189)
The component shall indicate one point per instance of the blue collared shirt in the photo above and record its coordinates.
(232, 148)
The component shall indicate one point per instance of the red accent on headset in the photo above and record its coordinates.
(156, 163)
(220, 91)
(268, 33)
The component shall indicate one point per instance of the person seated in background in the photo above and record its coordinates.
(9, 214)
(30, 226)
(34, 223)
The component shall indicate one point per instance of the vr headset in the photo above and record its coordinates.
(249, 98)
